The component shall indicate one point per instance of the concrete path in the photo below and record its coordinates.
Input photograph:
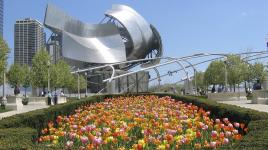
(247, 104)
(26, 108)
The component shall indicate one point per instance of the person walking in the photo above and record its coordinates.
(55, 98)
(49, 97)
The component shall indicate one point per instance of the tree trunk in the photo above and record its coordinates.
(245, 86)
(25, 89)
(234, 88)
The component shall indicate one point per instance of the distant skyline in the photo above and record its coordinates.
(186, 27)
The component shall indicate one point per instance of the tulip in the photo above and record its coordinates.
(228, 133)
(236, 124)
(83, 129)
(217, 121)
(170, 131)
(235, 131)
(205, 127)
(213, 144)
(72, 135)
(55, 141)
(106, 130)
(75, 126)
(84, 139)
(214, 134)
(97, 141)
(225, 141)
(69, 144)
(225, 120)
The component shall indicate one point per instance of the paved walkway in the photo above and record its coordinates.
(26, 108)
(247, 104)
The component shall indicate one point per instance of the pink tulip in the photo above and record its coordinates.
(214, 133)
(72, 135)
(225, 141)
(228, 133)
(225, 120)
(75, 126)
(230, 125)
(98, 134)
(170, 131)
(90, 127)
(97, 141)
(236, 124)
(83, 129)
(106, 130)
(235, 131)
(84, 139)
(213, 144)
(205, 127)
(217, 121)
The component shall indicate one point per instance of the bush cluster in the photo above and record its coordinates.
(20, 131)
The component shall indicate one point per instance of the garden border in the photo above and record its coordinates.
(17, 131)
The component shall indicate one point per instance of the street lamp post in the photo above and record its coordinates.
(225, 76)
(86, 83)
(4, 99)
(195, 81)
(48, 77)
(78, 84)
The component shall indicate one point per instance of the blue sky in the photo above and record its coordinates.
(186, 26)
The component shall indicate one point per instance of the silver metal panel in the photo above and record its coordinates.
(137, 27)
(92, 49)
(93, 43)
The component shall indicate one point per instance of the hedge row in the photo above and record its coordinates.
(19, 131)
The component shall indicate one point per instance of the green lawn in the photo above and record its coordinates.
(3, 110)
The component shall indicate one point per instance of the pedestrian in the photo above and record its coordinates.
(61, 93)
(55, 98)
(49, 97)
(213, 90)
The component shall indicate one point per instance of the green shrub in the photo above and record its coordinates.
(17, 138)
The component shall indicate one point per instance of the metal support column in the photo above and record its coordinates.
(78, 84)
(137, 83)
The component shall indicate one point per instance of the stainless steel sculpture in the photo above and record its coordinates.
(100, 43)
(125, 36)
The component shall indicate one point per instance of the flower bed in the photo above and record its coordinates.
(140, 122)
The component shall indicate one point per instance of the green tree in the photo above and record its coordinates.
(60, 75)
(258, 71)
(236, 69)
(54, 76)
(26, 78)
(83, 82)
(73, 85)
(200, 82)
(166, 88)
(4, 49)
(15, 77)
(39, 71)
(215, 73)
(65, 71)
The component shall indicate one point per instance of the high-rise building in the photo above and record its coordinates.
(29, 38)
(1, 17)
